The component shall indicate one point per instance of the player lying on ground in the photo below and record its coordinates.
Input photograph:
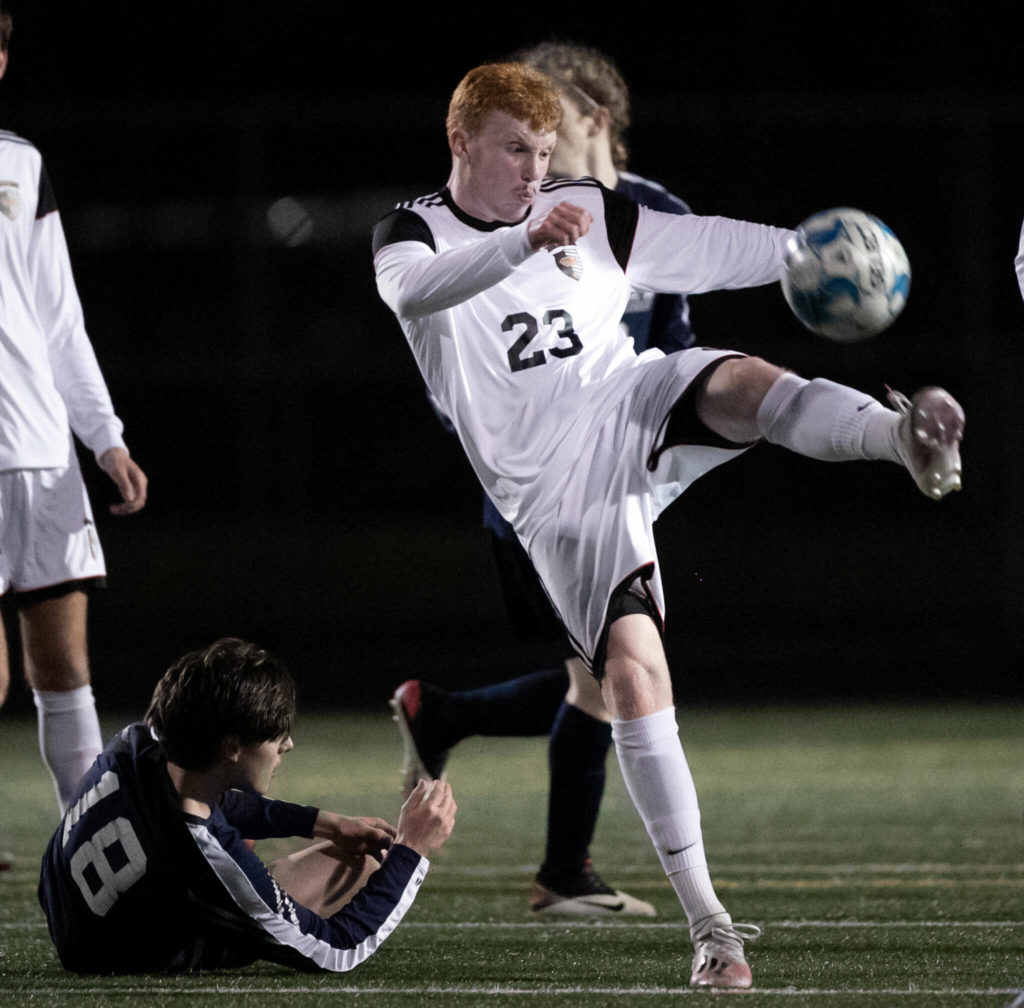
(150, 869)
(509, 290)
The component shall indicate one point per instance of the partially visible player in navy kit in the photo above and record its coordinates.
(150, 869)
(562, 702)
(50, 385)
(509, 290)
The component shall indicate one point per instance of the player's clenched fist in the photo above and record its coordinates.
(427, 817)
(564, 224)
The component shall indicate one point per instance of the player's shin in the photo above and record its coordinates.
(827, 421)
(658, 779)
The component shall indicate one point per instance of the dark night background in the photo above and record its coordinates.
(302, 493)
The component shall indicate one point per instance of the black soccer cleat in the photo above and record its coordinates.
(583, 894)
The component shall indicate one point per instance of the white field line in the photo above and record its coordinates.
(502, 991)
(937, 868)
(785, 925)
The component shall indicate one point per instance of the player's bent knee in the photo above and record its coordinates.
(320, 880)
(56, 673)
(635, 689)
(741, 383)
(729, 401)
(636, 678)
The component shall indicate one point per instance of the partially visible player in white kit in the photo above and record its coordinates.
(50, 385)
(1018, 262)
(509, 291)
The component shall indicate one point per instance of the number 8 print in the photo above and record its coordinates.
(99, 881)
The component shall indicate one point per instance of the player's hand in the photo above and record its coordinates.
(355, 835)
(130, 479)
(427, 817)
(564, 224)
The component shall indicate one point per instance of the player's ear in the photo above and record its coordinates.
(601, 120)
(458, 141)
(3, 62)
(230, 748)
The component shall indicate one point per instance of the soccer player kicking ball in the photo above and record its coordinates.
(509, 291)
(152, 868)
(564, 702)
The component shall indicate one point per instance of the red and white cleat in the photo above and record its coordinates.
(718, 959)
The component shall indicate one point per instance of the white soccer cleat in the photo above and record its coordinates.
(718, 959)
(930, 434)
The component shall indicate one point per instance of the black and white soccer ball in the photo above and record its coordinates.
(847, 276)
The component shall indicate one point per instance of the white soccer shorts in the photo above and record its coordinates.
(596, 531)
(47, 534)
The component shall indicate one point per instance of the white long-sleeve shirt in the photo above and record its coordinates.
(1019, 262)
(50, 381)
(522, 356)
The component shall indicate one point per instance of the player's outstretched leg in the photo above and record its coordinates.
(824, 420)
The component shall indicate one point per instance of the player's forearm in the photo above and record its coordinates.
(84, 391)
(259, 818)
(414, 282)
(76, 372)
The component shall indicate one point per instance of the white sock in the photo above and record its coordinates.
(658, 779)
(826, 421)
(69, 737)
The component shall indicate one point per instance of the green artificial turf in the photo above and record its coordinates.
(880, 848)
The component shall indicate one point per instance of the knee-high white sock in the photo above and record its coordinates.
(827, 421)
(69, 737)
(658, 779)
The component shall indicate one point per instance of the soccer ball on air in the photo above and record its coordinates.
(847, 277)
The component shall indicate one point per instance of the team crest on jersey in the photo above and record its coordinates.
(569, 261)
(10, 201)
